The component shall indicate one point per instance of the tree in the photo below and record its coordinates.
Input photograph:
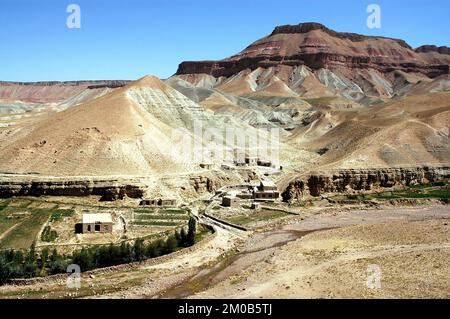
(178, 236)
(126, 253)
(171, 244)
(191, 232)
(31, 267)
(83, 258)
(150, 250)
(139, 250)
(183, 237)
(44, 260)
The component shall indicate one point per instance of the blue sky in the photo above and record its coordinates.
(132, 38)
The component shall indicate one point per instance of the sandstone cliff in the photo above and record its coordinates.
(342, 181)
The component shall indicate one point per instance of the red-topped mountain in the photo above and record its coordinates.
(316, 46)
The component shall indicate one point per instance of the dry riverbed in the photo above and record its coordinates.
(408, 247)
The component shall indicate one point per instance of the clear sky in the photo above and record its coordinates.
(131, 38)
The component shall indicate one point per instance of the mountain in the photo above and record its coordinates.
(126, 132)
(145, 128)
(340, 100)
(51, 92)
(354, 101)
(310, 60)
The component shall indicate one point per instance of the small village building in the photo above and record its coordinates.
(267, 186)
(167, 202)
(266, 196)
(239, 162)
(97, 223)
(255, 206)
(267, 191)
(161, 202)
(149, 202)
(252, 161)
(230, 201)
(244, 195)
(206, 165)
(264, 163)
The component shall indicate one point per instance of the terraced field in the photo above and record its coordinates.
(160, 217)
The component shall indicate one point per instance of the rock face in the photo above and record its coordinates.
(202, 184)
(433, 48)
(316, 46)
(108, 190)
(361, 180)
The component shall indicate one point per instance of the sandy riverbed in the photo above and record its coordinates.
(408, 248)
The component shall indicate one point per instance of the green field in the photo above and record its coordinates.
(163, 217)
(412, 193)
(440, 191)
(20, 224)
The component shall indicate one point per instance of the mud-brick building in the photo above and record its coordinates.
(97, 223)
(230, 201)
(251, 161)
(161, 202)
(267, 191)
(265, 186)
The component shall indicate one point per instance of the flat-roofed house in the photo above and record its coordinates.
(160, 202)
(207, 165)
(267, 186)
(97, 223)
(265, 163)
(266, 196)
(267, 191)
(251, 161)
(244, 195)
(149, 202)
(167, 202)
(230, 201)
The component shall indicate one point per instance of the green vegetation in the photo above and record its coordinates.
(61, 213)
(164, 217)
(161, 217)
(161, 211)
(437, 190)
(48, 235)
(20, 222)
(173, 211)
(411, 193)
(145, 211)
(24, 226)
(155, 223)
(17, 264)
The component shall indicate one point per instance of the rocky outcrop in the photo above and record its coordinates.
(202, 184)
(294, 192)
(433, 48)
(344, 181)
(317, 47)
(315, 61)
(108, 190)
(311, 26)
